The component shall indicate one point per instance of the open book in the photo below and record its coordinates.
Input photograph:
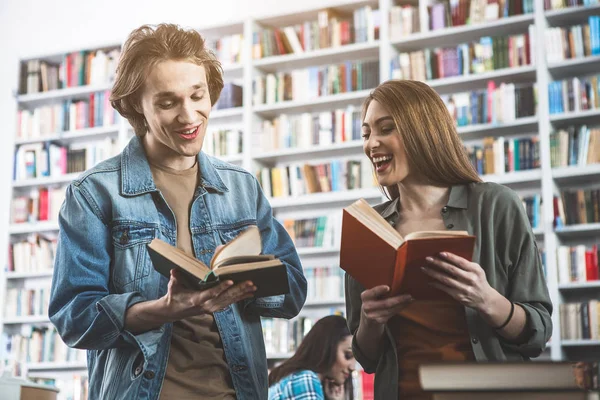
(374, 253)
(239, 260)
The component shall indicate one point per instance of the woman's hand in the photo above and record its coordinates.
(379, 308)
(332, 390)
(464, 280)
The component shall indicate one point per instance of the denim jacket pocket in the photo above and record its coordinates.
(131, 260)
(228, 232)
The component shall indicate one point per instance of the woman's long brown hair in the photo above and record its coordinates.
(433, 148)
(317, 351)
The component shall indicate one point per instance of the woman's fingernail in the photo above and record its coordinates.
(429, 259)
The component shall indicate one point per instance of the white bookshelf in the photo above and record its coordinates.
(545, 179)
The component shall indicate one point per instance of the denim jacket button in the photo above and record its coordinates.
(444, 210)
(449, 226)
(137, 371)
(124, 239)
(149, 374)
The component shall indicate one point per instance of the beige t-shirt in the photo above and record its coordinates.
(196, 368)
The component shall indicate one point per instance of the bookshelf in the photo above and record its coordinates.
(244, 69)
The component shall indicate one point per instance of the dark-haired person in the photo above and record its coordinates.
(147, 336)
(322, 366)
(502, 309)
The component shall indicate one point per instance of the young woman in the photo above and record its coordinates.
(502, 309)
(322, 366)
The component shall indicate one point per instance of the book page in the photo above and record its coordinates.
(434, 234)
(247, 243)
(179, 257)
(367, 215)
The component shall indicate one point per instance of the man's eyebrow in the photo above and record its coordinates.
(161, 95)
(364, 124)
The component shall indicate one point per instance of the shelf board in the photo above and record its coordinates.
(313, 151)
(570, 15)
(54, 366)
(575, 117)
(576, 174)
(579, 343)
(226, 113)
(473, 81)
(335, 55)
(32, 227)
(579, 285)
(279, 356)
(310, 105)
(69, 136)
(29, 319)
(574, 67)
(46, 181)
(538, 232)
(25, 275)
(324, 198)
(324, 302)
(518, 126)
(36, 98)
(578, 230)
(465, 33)
(315, 251)
(508, 178)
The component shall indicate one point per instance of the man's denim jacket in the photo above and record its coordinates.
(102, 268)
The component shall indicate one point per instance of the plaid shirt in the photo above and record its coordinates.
(301, 385)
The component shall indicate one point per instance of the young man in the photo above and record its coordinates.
(148, 337)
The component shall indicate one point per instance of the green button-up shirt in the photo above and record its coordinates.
(505, 248)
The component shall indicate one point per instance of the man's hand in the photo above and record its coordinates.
(183, 302)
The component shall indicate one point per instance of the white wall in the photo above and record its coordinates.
(31, 28)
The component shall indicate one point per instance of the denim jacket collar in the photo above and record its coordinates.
(136, 177)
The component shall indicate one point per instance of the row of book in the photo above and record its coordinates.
(69, 115)
(36, 344)
(445, 14)
(223, 142)
(577, 263)
(282, 336)
(579, 320)
(39, 204)
(324, 283)
(322, 231)
(496, 104)
(229, 48)
(487, 54)
(331, 29)
(299, 179)
(313, 82)
(501, 155)
(563, 43)
(231, 96)
(574, 94)
(75, 69)
(306, 130)
(22, 302)
(35, 253)
(560, 4)
(575, 146)
(37, 160)
(580, 206)
(533, 208)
